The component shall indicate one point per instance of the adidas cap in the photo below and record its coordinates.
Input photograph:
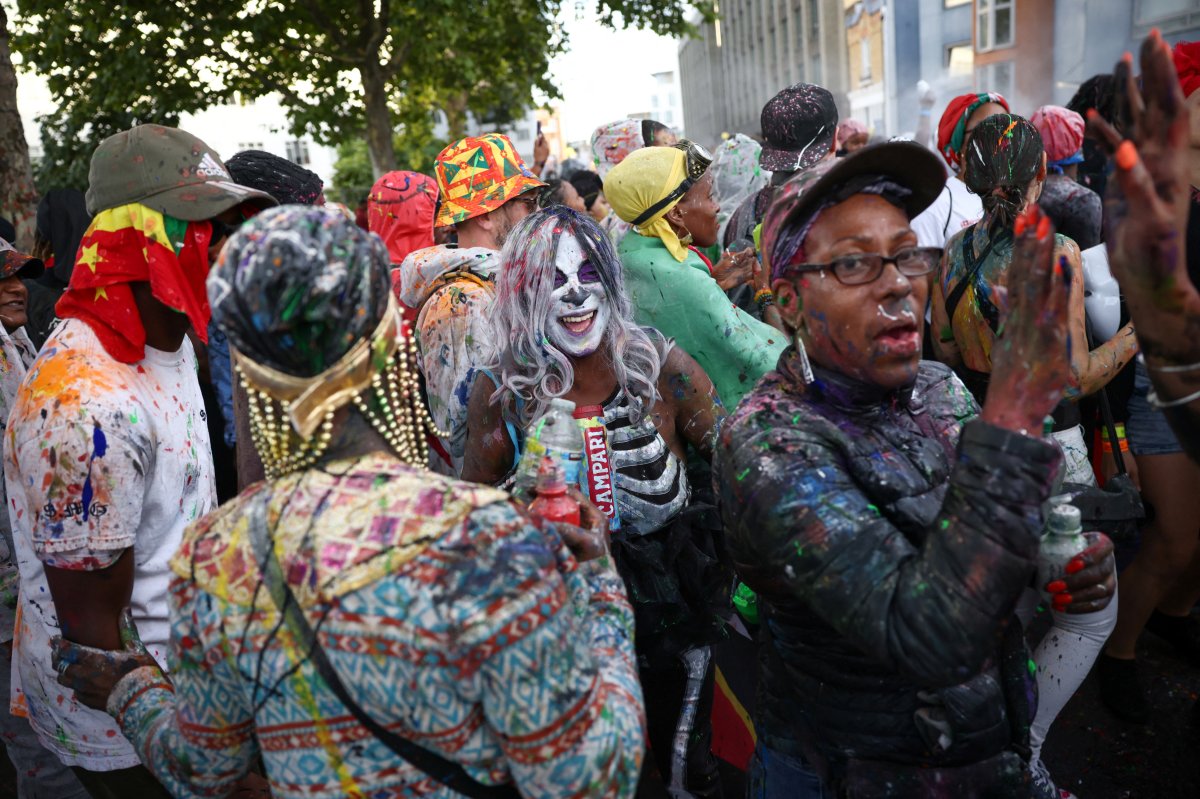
(166, 169)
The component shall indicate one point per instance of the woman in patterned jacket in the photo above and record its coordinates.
(433, 640)
(563, 327)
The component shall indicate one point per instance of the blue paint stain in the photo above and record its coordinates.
(99, 448)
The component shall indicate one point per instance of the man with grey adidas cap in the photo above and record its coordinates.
(107, 455)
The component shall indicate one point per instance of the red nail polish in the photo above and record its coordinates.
(1127, 57)
(1074, 566)
(1019, 225)
(1043, 228)
(1126, 156)
(1061, 601)
(1091, 113)
(1056, 587)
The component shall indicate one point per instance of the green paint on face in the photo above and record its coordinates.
(133, 417)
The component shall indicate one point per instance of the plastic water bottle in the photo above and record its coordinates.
(1062, 543)
(552, 502)
(557, 435)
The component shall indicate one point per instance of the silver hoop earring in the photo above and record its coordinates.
(806, 371)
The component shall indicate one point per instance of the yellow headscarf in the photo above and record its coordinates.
(642, 179)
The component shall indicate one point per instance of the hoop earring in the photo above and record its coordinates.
(806, 371)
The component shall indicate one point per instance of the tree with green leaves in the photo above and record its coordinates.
(343, 68)
(18, 200)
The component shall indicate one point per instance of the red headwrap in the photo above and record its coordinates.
(132, 244)
(1187, 65)
(400, 210)
(952, 129)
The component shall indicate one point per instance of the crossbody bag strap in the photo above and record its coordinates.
(1106, 414)
(448, 773)
(955, 297)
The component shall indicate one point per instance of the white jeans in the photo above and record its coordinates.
(1064, 658)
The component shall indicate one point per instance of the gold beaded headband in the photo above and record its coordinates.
(306, 400)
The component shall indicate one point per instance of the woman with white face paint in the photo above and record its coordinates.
(563, 327)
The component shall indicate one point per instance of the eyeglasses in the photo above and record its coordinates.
(698, 160)
(866, 267)
(529, 200)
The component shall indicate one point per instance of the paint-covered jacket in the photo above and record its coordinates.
(890, 552)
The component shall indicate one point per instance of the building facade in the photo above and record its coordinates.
(754, 49)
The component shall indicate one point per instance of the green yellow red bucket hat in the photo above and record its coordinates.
(478, 175)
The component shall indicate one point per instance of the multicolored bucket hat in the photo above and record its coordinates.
(478, 175)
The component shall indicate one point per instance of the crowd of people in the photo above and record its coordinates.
(264, 526)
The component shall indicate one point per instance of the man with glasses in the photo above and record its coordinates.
(484, 189)
(107, 453)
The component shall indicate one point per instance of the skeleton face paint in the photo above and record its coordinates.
(579, 306)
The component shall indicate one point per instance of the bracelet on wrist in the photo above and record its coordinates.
(764, 298)
(1120, 432)
(1160, 404)
(1107, 448)
(1172, 368)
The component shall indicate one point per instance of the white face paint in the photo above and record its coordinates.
(579, 306)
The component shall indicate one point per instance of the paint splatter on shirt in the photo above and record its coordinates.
(683, 302)
(451, 618)
(100, 456)
(16, 354)
(1075, 210)
(452, 288)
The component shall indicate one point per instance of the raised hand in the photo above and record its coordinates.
(1148, 202)
(1031, 365)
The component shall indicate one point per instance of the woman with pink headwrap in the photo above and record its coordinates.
(1075, 209)
(400, 210)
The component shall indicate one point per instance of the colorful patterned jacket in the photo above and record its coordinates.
(890, 552)
(450, 617)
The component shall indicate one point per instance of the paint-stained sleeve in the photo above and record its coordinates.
(803, 531)
(452, 330)
(85, 482)
(549, 647)
(195, 732)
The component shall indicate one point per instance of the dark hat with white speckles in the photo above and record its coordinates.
(799, 125)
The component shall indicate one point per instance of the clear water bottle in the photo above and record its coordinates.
(557, 435)
(1062, 543)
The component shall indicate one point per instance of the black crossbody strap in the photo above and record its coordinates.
(955, 297)
(448, 773)
(1106, 414)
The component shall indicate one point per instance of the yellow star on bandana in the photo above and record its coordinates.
(101, 294)
(90, 256)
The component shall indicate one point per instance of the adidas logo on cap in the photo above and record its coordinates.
(212, 168)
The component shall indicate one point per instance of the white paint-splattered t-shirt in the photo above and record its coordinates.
(101, 456)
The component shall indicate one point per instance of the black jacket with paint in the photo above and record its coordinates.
(890, 555)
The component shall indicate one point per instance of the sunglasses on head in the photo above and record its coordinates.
(698, 160)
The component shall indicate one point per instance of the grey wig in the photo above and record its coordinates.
(527, 365)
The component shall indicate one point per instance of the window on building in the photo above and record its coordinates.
(994, 21)
(960, 60)
(250, 145)
(297, 151)
(1148, 12)
(814, 19)
(995, 77)
(953, 3)
(864, 52)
